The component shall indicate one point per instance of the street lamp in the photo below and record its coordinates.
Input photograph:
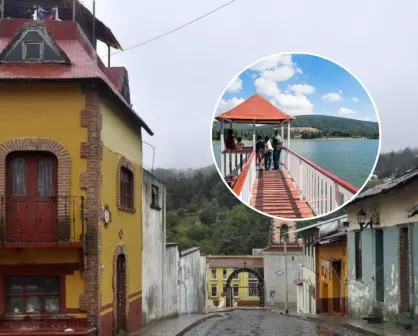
(362, 220)
(153, 153)
(286, 300)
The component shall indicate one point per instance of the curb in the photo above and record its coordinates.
(349, 326)
(196, 323)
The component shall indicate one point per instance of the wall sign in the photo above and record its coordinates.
(106, 215)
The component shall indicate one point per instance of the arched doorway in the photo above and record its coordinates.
(120, 321)
(234, 275)
(284, 233)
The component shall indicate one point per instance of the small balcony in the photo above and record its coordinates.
(56, 221)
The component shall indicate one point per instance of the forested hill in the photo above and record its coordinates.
(201, 211)
(328, 125)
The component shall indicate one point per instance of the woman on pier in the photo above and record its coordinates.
(267, 151)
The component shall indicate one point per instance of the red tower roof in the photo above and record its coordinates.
(255, 109)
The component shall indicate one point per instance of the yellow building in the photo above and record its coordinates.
(70, 176)
(331, 268)
(244, 285)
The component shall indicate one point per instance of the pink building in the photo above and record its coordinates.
(280, 227)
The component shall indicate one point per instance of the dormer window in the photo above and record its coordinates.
(33, 43)
(32, 51)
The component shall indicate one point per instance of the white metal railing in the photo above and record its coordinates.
(322, 190)
(233, 161)
(244, 171)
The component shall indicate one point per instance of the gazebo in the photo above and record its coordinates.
(299, 189)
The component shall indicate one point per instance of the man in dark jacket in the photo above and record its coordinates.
(277, 149)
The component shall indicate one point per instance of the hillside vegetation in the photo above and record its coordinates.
(202, 212)
(328, 126)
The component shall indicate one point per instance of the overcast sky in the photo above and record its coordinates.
(177, 80)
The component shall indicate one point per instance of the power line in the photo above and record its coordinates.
(138, 45)
(177, 28)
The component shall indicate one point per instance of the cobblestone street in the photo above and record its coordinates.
(264, 323)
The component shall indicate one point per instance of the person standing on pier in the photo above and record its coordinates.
(277, 149)
(267, 150)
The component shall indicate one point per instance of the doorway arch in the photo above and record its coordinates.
(234, 274)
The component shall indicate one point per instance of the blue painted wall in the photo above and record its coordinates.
(360, 293)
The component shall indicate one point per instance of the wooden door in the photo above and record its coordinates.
(404, 293)
(121, 295)
(380, 267)
(32, 206)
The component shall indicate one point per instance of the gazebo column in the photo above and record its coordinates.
(281, 156)
(288, 145)
(222, 149)
(254, 135)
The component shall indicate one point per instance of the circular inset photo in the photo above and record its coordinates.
(295, 136)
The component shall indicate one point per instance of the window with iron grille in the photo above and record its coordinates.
(126, 188)
(358, 256)
(213, 291)
(213, 274)
(224, 274)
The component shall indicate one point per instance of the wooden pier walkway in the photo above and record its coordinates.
(275, 193)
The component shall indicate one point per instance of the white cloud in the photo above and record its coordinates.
(236, 86)
(331, 96)
(295, 105)
(340, 92)
(346, 111)
(273, 62)
(228, 104)
(302, 89)
(266, 87)
(356, 100)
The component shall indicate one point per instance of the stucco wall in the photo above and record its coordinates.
(170, 296)
(48, 111)
(392, 207)
(119, 139)
(360, 293)
(154, 252)
(173, 283)
(192, 282)
(275, 261)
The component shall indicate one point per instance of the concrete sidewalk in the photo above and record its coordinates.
(174, 326)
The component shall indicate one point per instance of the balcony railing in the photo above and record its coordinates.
(42, 220)
(323, 190)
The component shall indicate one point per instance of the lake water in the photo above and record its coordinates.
(351, 160)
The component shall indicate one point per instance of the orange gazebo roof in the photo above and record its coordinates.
(255, 109)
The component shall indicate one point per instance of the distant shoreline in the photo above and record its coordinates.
(215, 141)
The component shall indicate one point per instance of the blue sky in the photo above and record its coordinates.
(301, 84)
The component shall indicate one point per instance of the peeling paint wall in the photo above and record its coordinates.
(415, 267)
(173, 283)
(170, 295)
(153, 254)
(360, 292)
(274, 261)
(192, 282)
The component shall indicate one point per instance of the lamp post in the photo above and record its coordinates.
(286, 298)
(362, 220)
(153, 153)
